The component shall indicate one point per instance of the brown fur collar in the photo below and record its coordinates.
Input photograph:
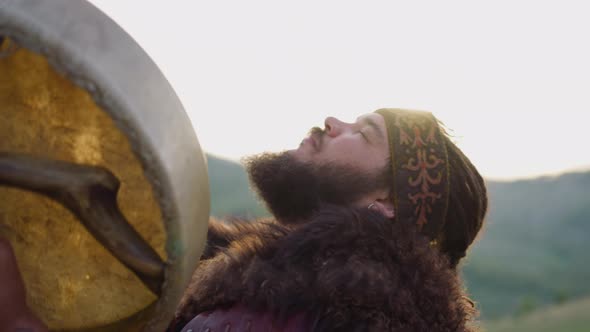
(348, 269)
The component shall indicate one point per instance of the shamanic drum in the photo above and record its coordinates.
(104, 193)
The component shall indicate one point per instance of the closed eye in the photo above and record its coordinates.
(364, 136)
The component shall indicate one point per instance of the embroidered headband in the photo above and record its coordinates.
(420, 167)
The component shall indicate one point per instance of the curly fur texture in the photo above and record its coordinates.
(348, 269)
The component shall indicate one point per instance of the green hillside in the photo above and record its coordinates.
(534, 249)
(569, 317)
(533, 252)
(230, 191)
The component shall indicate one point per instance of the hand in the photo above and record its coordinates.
(15, 315)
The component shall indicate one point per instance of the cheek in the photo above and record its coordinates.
(351, 155)
(341, 150)
(353, 151)
(366, 158)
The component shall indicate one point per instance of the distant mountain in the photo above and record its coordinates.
(569, 317)
(230, 190)
(535, 247)
(534, 250)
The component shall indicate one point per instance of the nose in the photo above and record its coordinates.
(334, 127)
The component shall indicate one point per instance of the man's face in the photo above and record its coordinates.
(362, 144)
(341, 165)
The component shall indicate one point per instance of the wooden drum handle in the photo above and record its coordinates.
(90, 192)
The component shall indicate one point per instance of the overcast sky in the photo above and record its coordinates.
(511, 78)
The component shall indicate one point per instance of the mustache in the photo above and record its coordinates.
(317, 134)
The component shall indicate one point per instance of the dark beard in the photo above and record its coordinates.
(294, 190)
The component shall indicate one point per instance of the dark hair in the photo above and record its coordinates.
(468, 203)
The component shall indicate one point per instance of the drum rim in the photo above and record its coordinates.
(172, 159)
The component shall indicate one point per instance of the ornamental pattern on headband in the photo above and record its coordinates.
(417, 138)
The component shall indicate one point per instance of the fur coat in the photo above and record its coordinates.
(346, 269)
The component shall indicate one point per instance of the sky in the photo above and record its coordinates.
(510, 78)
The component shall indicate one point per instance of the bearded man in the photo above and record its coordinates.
(370, 220)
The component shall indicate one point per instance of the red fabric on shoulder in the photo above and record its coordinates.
(240, 319)
(15, 315)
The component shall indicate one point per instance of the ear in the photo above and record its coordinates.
(385, 206)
